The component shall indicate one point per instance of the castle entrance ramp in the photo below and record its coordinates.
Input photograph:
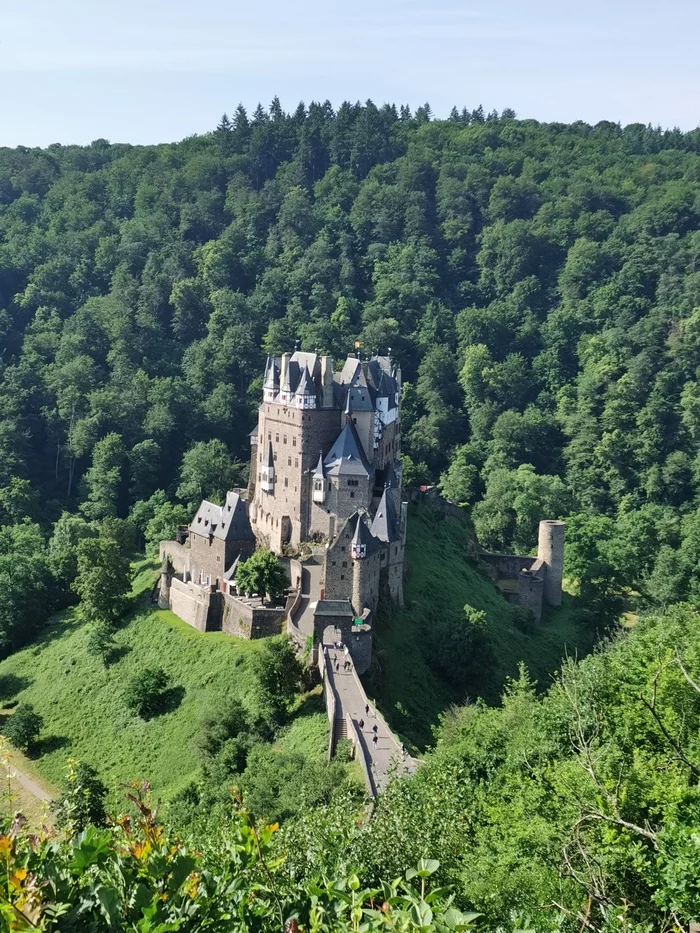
(362, 722)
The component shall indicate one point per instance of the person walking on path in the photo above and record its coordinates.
(361, 724)
(374, 728)
(367, 709)
(374, 739)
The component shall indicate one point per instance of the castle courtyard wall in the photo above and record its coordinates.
(192, 603)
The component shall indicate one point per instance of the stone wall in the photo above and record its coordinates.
(359, 642)
(251, 622)
(213, 556)
(179, 555)
(191, 602)
(297, 437)
(338, 566)
(344, 498)
(365, 582)
(507, 565)
(531, 589)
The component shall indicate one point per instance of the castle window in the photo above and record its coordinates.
(269, 435)
(284, 439)
(289, 461)
(275, 455)
(218, 558)
(342, 576)
(277, 438)
(332, 563)
(345, 563)
(294, 442)
(352, 495)
(286, 482)
(296, 461)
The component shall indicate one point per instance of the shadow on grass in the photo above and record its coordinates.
(170, 700)
(52, 743)
(117, 654)
(11, 685)
(311, 704)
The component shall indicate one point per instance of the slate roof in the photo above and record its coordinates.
(386, 526)
(306, 385)
(228, 522)
(346, 456)
(320, 471)
(362, 535)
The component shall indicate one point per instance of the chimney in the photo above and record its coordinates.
(326, 382)
(285, 367)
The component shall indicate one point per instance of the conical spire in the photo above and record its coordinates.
(385, 525)
(306, 386)
(270, 459)
(320, 470)
(358, 547)
(272, 376)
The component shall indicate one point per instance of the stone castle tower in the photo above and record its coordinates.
(326, 467)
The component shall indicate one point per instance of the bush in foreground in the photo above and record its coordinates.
(136, 875)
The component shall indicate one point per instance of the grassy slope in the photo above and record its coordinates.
(440, 571)
(85, 716)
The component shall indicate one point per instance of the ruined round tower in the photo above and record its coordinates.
(550, 551)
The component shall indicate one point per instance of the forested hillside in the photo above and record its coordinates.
(538, 284)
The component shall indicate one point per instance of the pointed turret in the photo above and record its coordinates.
(348, 407)
(267, 473)
(271, 383)
(305, 395)
(358, 546)
(319, 482)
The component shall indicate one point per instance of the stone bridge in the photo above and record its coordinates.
(356, 718)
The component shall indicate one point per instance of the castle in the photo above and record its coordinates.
(325, 471)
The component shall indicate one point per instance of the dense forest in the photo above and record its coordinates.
(539, 286)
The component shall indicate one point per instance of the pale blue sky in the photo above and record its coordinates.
(157, 70)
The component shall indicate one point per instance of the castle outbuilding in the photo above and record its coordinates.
(532, 582)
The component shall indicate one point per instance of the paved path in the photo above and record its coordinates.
(310, 592)
(28, 784)
(385, 758)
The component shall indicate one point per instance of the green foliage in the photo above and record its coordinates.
(26, 587)
(278, 674)
(263, 574)
(101, 643)
(207, 472)
(24, 726)
(103, 579)
(145, 692)
(138, 875)
(68, 532)
(83, 802)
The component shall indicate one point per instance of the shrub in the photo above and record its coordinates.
(24, 726)
(145, 692)
(101, 642)
(83, 802)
